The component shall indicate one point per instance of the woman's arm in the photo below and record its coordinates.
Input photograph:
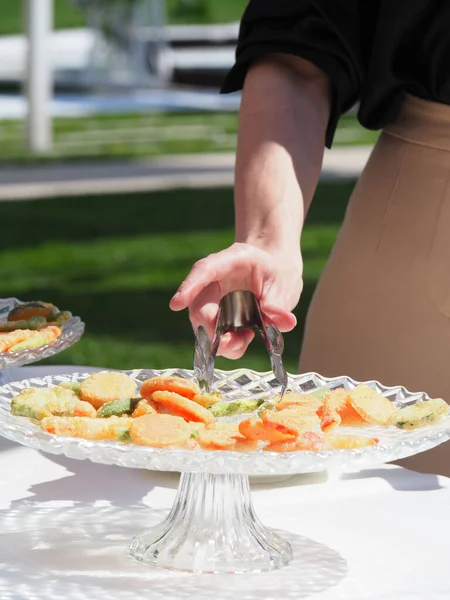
(282, 124)
(283, 118)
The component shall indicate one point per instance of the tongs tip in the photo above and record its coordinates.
(239, 309)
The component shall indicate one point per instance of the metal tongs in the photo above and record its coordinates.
(237, 310)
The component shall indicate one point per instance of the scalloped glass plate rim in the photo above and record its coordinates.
(71, 332)
(256, 463)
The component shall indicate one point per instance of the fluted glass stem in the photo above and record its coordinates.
(212, 528)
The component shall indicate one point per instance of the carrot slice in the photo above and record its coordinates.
(173, 404)
(178, 385)
(287, 424)
(337, 409)
(254, 429)
(143, 407)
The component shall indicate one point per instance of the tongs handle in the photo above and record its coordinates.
(237, 310)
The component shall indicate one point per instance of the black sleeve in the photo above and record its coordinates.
(324, 32)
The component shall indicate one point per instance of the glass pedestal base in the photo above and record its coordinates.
(212, 528)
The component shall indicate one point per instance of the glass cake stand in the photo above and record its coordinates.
(212, 526)
(71, 332)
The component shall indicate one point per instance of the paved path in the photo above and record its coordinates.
(168, 172)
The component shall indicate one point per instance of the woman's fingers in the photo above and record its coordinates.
(240, 267)
(283, 319)
(234, 344)
(204, 308)
(203, 311)
(203, 273)
(231, 268)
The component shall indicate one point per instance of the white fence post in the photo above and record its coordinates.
(39, 79)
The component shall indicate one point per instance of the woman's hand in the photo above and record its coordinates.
(282, 123)
(274, 278)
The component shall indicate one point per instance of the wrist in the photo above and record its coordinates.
(286, 250)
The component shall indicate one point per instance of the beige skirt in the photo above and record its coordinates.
(382, 307)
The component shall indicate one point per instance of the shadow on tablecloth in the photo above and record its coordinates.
(399, 479)
(78, 552)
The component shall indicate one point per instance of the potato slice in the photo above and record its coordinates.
(107, 386)
(160, 431)
(372, 406)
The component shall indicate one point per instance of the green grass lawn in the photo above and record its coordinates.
(67, 15)
(146, 135)
(116, 261)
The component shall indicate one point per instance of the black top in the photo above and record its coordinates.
(372, 50)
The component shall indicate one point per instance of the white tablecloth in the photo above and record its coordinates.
(383, 534)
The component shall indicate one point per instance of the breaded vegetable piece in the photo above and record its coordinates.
(7, 340)
(160, 431)
(117, 408)
(38, 403)
(236, 407)
(321, 393)
(372, 406)
(107, 386)
(215, 439)
(254, 429)
(61, 317)
(243, 445)
(33, 323)
(114, 428)
(308, 401)
(36, 341)
(337, 409)
(174, 404)
(419, 415)
(287, 422)
(178, 385)
(223, 436)
(71, 385)
(33, 309)
(310, 441)
(51, 332)
(207, 400)
(143, 407)
(340, 441)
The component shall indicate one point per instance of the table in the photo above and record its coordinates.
(379, 534)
